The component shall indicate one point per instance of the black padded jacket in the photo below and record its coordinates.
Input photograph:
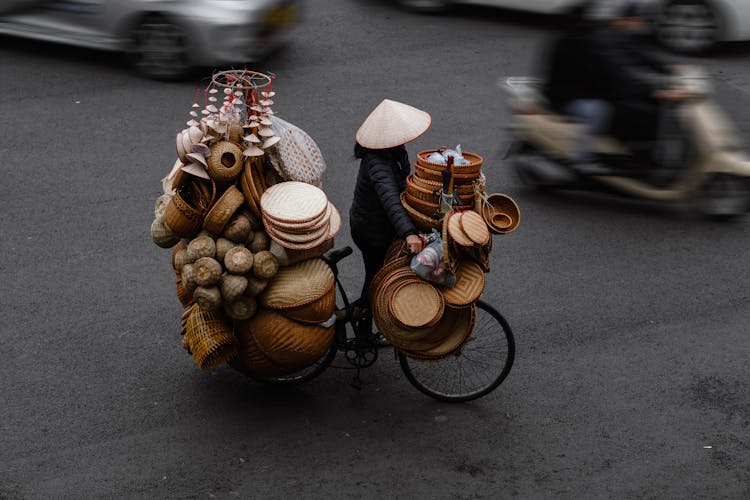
(376, 214)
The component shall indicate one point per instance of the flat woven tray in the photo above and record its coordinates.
(298, 284)
(294, 202)
(470, 282)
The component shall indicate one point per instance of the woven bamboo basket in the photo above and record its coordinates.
(456, 232)
(210, 339)
(415, 304)
(464, 190)
(223, 210)
(423, 222)
(390, 265)
(287, 342)
(498, 207)
(474, 226)
(186, 210)
(183, 294)
(459, 179)
(474, 165)
(247, 192)
(399, 337)
(249, 359)
(470, 282)
(225, 163)
(431, 195)
(316, 311)
(297, 285)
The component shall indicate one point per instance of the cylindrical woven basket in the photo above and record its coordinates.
(186, 210)
(423, 222)
(247, 192)
(287, 342)
(217, 218)
(210, 339)
(225, 163)
(474, 165)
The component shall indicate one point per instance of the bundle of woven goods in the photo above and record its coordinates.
(245, 215)
(426, 320)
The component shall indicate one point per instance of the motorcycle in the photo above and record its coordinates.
(697, 159)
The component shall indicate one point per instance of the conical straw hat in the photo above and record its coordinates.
(391, 124)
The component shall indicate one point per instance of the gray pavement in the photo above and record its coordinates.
(631, 373)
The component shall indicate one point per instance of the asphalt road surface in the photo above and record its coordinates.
(631, 378)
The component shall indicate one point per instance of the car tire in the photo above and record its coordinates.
(688, 26)
(159, 49)
(426, 6)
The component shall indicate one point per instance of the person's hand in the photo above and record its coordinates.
(414, 243)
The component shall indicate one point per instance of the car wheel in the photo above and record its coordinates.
(688, 26)
(159, 49)
(432, 6)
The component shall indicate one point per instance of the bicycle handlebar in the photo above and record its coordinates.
(331, 257)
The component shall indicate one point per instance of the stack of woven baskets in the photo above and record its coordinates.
(251, 299)
(423, 320)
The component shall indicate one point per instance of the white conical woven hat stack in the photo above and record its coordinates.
(391, 124)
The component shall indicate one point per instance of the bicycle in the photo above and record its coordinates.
(473, 371)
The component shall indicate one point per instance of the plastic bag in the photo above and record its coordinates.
(440, 157)
(429, 264)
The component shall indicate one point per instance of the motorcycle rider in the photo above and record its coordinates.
(600, 72)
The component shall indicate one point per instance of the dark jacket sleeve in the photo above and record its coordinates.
(386, 185)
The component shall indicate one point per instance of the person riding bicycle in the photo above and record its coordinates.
(376, 216)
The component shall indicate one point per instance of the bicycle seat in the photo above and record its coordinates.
(331, 257)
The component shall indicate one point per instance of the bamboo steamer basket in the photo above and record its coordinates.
(210, 339)
(297, 285)
(421, 221)
(249, 359)
(470, 282)
(217, 218)
(474, 165)
(454, 329)
(225, 163)
(287, 342)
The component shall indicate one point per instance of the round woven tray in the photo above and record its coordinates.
(281, 240)
(317, 234)
(454, 329)
(470, 282)
(390, 265)
(456, 232)
(474, 165)
(474, 227)
(287, 342)
(301, 227)
(227, 204)
(416, 304)
(294, 202)
(423, 222)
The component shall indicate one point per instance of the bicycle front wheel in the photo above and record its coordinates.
(473, 371)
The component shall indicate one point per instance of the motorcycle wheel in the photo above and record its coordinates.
(723, 196)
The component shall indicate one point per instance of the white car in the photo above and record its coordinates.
(688, 26)
(164, 38)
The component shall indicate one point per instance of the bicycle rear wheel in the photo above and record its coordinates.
(475, 370)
